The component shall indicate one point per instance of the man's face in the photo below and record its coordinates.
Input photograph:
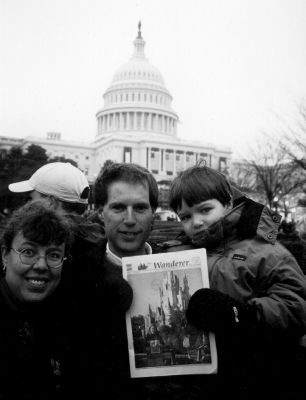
(127, 217)
(34, 195)
(55, 203)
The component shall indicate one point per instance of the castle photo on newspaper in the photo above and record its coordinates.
(161, 335)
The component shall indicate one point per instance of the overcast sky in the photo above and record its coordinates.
(232, 66)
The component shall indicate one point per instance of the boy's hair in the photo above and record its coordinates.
(38, 223)
(199, 183)
(130, 173)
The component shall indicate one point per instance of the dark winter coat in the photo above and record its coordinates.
(32, 349)
(79, 273)
(101, 297)
(247, 263)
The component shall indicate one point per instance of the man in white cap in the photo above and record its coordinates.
(65, 185)
(66, 188)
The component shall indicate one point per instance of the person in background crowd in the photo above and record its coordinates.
(34, 247)
(63, 184)
(289, 237)
(256, 303)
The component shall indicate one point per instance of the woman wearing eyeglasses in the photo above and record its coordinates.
(34, 247)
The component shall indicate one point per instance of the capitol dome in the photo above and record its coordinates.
(137, 99)
(138, 69)
(136, 124)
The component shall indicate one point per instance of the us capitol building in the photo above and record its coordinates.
(137, 124)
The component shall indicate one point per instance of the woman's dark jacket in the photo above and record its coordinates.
(32, 349)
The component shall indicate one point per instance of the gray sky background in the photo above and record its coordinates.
(234, 67)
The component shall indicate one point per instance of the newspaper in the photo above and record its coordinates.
(159, 338)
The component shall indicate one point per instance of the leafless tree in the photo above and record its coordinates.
(273, 175)
(292, 138)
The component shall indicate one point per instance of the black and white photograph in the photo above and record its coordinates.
(143, 128)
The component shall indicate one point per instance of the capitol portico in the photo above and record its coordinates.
(136, 124)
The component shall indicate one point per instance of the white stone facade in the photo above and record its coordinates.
(137, 124)
(82, 153)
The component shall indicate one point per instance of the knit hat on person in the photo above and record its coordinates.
(60, 180)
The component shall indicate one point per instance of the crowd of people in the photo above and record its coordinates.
(63, 298)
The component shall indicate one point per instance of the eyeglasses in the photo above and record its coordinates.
(30, 257)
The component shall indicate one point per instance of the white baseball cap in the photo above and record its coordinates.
(58, 179)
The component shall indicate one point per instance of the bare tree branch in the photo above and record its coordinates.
(270, 172)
